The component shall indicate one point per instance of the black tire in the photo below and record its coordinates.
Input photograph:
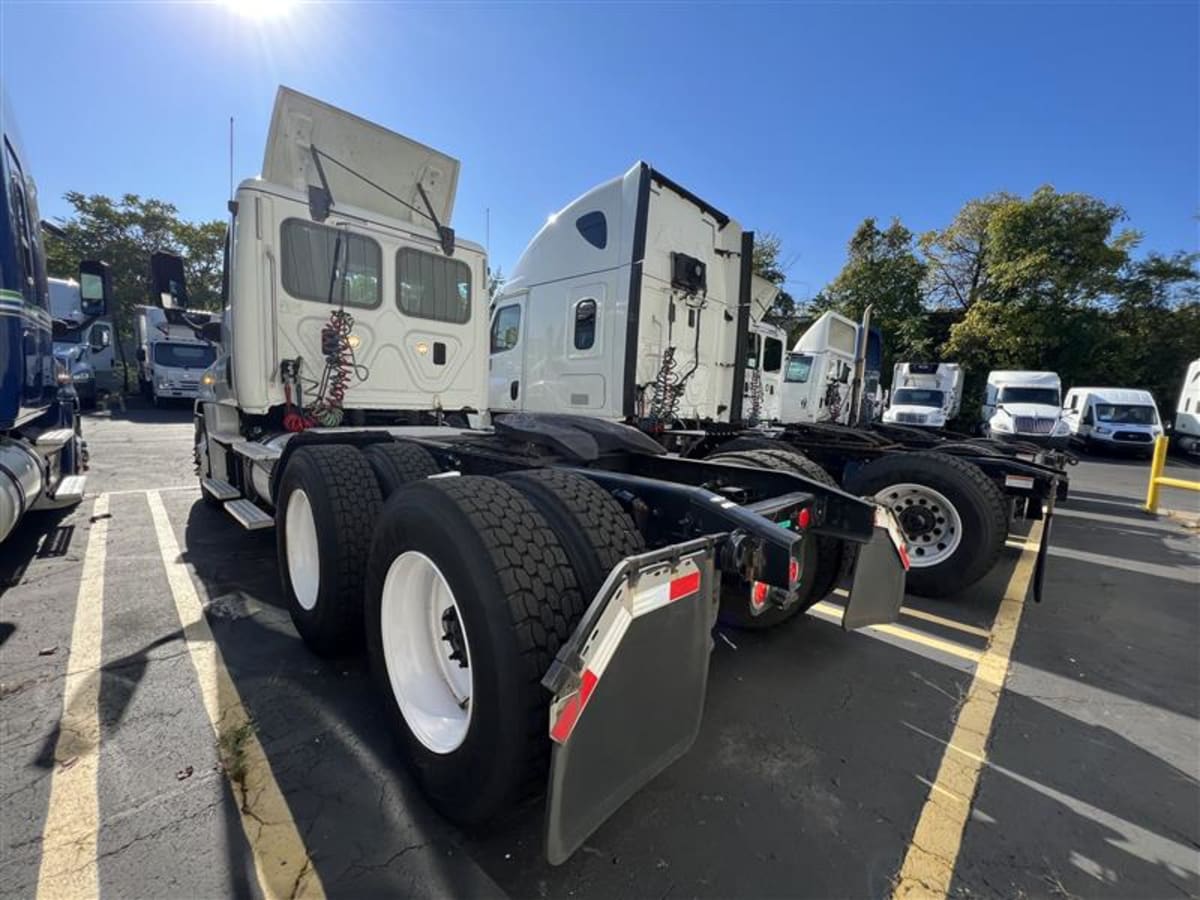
(345, 502)
(980, 505)
(818, 558)
(398, 463)
(200, 432)
(519, 601)
(594, 530)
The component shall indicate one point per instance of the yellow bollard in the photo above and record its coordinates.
(1156, 469)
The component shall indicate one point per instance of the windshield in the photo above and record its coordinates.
(1125, 414)
(799, 365)
(185, 356)
(1043, 396)
(65, 333)
(917, 397)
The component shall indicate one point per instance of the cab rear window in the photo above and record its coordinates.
(431, 286)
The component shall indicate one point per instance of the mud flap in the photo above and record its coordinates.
(628, 688)
(878, 587)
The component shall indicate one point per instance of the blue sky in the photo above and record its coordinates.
(799, 119)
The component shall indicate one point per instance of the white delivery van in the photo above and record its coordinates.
(924, 394)
(1112, 418)
(1186, 428)
(82, 344)
(1024, 406)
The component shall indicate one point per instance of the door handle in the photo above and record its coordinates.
(513, 389)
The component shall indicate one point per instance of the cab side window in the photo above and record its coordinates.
(585, 324)
(506, 328)
(1088, 418)
(772, 355)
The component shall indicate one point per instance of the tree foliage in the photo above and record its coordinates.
(124, 233)
(767, 264)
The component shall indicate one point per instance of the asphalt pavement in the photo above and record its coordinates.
(818, 756)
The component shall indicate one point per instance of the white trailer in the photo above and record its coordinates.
(1185, 431)
(528, 591)
(927, 395)
(172, 354)
(1026, 406)
(83, 344)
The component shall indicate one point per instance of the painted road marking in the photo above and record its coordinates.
(68, 864)
(831, 612)
(932, 617)
(1173, 573)
(281, 861)
(933, 852)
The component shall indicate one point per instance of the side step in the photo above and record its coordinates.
(55, 438)
(68, 492)
(219, 490)
(248, 515)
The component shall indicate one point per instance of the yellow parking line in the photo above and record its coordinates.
(68, 865)
(933, 852)
(281, 861)
(932, 617)
(832, 613)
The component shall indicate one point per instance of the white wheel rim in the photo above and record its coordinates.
(303, 562)
(433, 690)
(932, 526)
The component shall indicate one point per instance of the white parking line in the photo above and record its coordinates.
(1174, 573)
(68, 864)
(281, 861)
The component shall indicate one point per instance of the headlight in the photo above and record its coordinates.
(1100, 429)
(208, 379)
(164, 383)
(1002, 423)
(1060, 428)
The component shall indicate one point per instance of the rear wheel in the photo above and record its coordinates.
(398, 463)
(595, 531)
(820, 557)
(469, 596)
(955, 519)
(325, 514)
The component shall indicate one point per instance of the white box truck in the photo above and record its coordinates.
(172, 352)
(1185, 431)
(1024, 406)
(1116, 419)
(927, 395)
(83, 344)
(536, 598)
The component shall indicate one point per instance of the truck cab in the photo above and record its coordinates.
(1186, 427)
(762, 401)
(819, 370)
(927, 395)
(1024, 406)
(1116, 419)
(172, 351)
(83, 345)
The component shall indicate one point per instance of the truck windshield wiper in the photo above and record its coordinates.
(320, 209)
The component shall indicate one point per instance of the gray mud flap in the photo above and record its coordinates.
(628, 688)
(878, 587)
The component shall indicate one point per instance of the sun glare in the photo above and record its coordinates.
(260, 10)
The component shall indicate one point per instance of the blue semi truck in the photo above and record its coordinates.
(42, 453)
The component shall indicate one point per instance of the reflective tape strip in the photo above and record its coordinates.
(676, 589)
(1024, 482)
(561, 730)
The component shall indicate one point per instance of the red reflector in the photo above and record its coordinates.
(685, 586)
(758, 595)
(793, 572)
(804, 518)
(570, 713)
(904, 557)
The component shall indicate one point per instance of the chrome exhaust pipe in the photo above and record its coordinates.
(21, 483)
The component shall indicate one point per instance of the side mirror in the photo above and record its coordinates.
(211, 332)
(100, 339)
(167, 280)
(141, 354)
(95, 287)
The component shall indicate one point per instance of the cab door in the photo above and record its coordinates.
(506, 363)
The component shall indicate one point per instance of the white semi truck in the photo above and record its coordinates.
(172, 351)
(635, 303)
(83, 344)
(1185, 431)
(927, 395)
(533, 597)
(1025, 406)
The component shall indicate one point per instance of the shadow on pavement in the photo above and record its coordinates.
(40, 534)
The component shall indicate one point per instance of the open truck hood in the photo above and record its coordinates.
(390, 160)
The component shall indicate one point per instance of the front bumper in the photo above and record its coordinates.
(1050, 441)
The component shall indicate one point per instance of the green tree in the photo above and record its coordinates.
(883, 271)
(124, 233)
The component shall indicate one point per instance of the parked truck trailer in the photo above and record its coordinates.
(42, 452)
(536, 599)
(634, 304)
